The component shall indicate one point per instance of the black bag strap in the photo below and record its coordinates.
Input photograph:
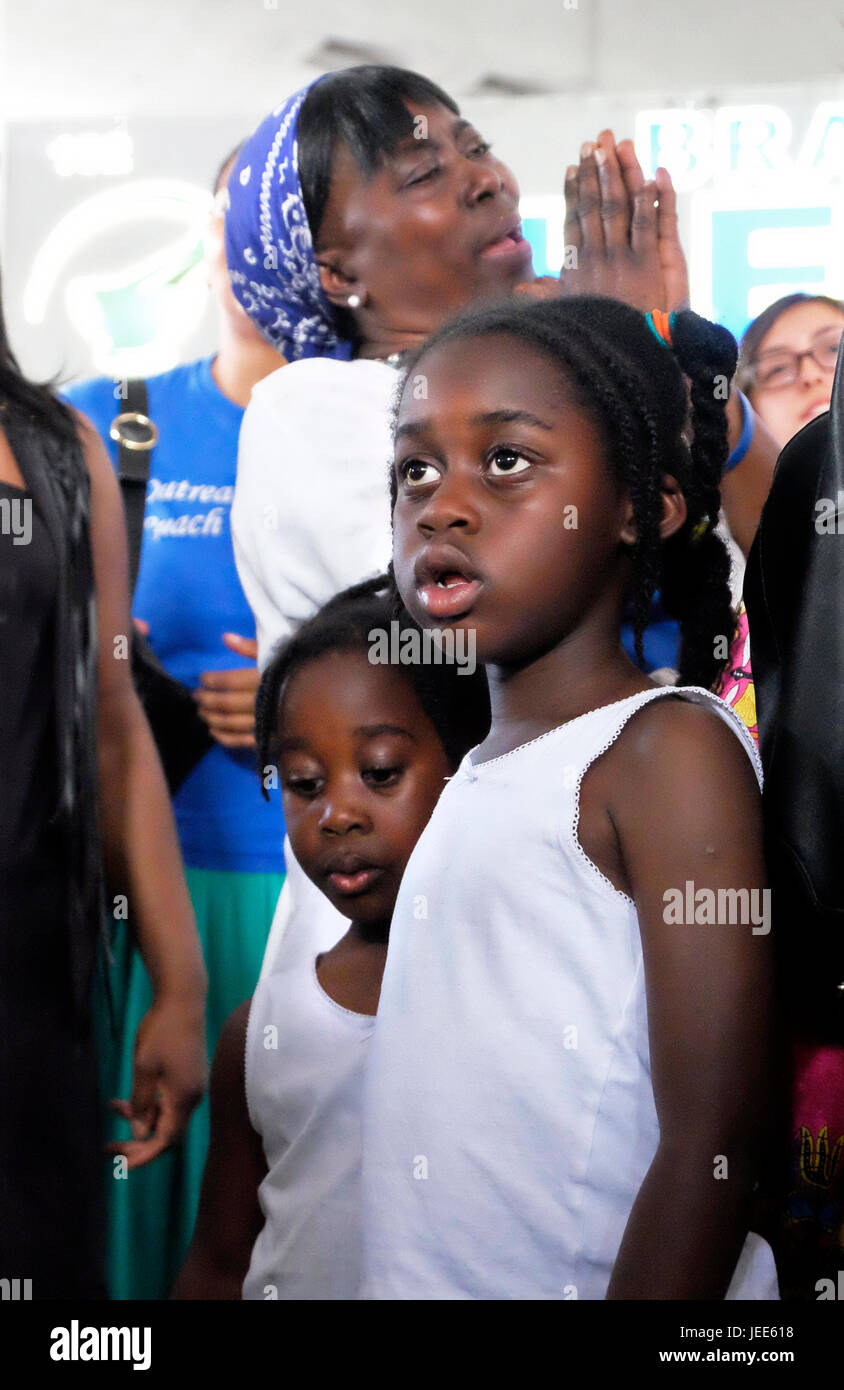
(136, 436)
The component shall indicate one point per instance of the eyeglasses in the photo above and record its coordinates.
(780, 368)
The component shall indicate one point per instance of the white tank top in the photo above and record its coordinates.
(304, 1076)
(509, 1118)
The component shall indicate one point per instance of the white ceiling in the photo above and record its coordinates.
(94, 58)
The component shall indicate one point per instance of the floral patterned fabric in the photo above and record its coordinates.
(809, 1239)
(736, 688)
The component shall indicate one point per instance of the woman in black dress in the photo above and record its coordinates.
(81, 787)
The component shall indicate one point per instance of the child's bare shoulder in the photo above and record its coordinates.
(673, 740)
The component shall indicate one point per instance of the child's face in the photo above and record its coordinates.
(503, 493)
(805, 328)
(361, 769)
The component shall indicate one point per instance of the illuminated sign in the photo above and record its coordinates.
(92, 153)
(134, 318)
(752, 143)
(749, 249)
(767, 210)
(543, 226)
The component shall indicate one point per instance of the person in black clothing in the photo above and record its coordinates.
(794, 592)
(83, 797)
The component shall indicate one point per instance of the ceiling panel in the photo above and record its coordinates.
(101, 58)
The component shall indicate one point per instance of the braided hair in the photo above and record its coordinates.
(457, 703)
(634, 387)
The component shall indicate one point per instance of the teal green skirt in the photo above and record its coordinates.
(151, 1211)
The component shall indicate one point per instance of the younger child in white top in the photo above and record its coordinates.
(363, 750)
(567, 1087)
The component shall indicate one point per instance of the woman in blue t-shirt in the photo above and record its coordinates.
(189, 601)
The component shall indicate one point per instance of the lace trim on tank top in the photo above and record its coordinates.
(646, 695)
(252, 1019)
(643, 697)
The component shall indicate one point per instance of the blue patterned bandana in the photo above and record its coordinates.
(269, 248)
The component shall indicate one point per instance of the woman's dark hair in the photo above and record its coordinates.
(456, 703)
(29, 399)
(364, 107)
(634, 387)
(761, 326)
(223, 166)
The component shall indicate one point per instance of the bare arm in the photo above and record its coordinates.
(744, 490)
(229, 1219)
(141, 850)
(709, 989)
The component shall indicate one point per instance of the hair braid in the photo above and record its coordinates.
(696, 583)
(635, 416)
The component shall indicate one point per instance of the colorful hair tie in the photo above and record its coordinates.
(661, 325)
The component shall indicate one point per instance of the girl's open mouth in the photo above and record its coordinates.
(449, 596)
(446, 583)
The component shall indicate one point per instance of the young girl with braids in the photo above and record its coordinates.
(567, 1083)
(362, 750)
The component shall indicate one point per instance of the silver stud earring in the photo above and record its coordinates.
(354, 301)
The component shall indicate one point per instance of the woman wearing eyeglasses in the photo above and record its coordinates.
(787, 361)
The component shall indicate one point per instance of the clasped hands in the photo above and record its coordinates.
(621, 232)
